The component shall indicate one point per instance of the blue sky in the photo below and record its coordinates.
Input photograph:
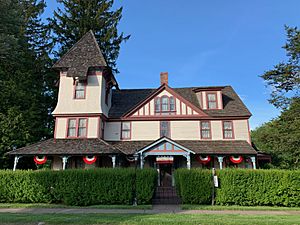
(204, 43)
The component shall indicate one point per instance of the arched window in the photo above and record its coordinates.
(165, 105)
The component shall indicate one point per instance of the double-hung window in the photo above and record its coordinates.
(125, 130)
(77, 127)
(212, 101)
(165, 129)
(80, 88)
(228, 130)
(205, 130)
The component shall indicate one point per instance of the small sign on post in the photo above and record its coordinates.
(216, 182)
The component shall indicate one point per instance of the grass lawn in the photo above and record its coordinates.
(44, 205)
(236, 207)
(144, 219)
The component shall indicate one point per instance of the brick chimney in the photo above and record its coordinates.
(164, 78)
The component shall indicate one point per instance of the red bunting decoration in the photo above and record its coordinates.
(236, 160)
(203, 159)
(89, 159)
(40, 160)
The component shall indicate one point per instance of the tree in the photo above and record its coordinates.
(26, 83)
(284, 79)
(78, 17)
(281, 137)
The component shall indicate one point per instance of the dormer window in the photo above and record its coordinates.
(164, 105)
(212, 101)
(80, 89)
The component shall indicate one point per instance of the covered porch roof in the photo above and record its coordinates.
(227, 147)
(67, 147)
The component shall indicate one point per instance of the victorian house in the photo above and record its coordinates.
(98, 124)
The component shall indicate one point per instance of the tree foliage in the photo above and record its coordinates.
(281, 137)
(77, 17)
(26, 82)
(284, 78)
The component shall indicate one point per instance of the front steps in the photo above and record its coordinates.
(166, 196)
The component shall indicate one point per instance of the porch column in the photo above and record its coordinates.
(113, 160)
(64, 162)
(188, 161)
(16, 162)
(220, 160)
(253, 162)
(141, 161)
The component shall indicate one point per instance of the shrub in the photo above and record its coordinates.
(77, 187)
(259, 187)
(146, 180)
(194, 186)
(240, 187)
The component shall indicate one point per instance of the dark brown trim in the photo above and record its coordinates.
(208, 89)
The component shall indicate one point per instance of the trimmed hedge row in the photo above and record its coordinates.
(194, 186)
(77, 187)
(240, 187)
(259, 187)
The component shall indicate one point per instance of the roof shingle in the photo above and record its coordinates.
(83, 55)
(66, 146)
(124, 100)
(199, 147)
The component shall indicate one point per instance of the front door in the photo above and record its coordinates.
(165, 174)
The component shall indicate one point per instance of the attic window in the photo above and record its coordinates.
(164, 105)
(79, 90)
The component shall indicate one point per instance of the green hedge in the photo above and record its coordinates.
(145, 185)
(77, 187)
(194, 186)
(259, 187)
(240, 187)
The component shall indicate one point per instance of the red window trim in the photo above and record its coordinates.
(74, 90)
(210, 136)
(232, 129)
(169, 128)
(161, 112)
(207, 101)
(130, 129)
(76, 127)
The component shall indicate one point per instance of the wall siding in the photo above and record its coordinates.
(145, 130)
(185, 130)
(92, 103)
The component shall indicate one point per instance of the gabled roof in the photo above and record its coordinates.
(158, 91)
(84, 54)
(125, 100)
(163, 140)
(67, 146)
